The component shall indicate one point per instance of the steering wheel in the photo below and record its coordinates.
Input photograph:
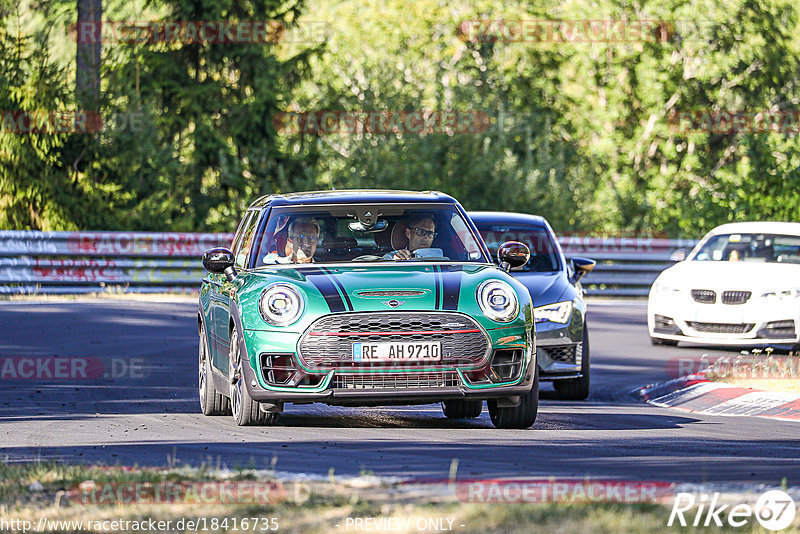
(367, 257)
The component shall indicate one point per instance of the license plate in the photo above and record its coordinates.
(397, 352)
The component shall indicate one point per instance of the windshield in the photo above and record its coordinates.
(764, 248)
(544, 255)
(361, 233)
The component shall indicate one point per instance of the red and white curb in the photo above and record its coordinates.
(694, 393)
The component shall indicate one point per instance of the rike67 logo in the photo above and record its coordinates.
(774, 510)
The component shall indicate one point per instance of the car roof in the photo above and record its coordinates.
(758, 227)
(507, 217)
(345, 196)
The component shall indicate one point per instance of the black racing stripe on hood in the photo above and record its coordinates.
(451, 286)
(436, 287)
(325, 284)
(341, 288)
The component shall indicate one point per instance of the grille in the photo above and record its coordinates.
(736, 297)
(396, 381)
(391, 293)
(328, 343)
(721, 328)
(561, 353)
(704, 296)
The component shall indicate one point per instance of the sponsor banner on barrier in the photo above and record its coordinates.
(45, 271)
(125, 244)
(15, 243)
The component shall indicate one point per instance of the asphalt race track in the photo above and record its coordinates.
(146, 410)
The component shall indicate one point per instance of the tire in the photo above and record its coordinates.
(665, 342)
(212, 402)
(522, 416)
(577, 388)
(462, 409)
(245, 410)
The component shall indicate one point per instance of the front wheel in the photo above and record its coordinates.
(577, 388)
(462, 409)
(522, 416)
(246, 411)
(655, 341)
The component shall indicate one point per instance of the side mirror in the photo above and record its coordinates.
(219, 260)
(513, 254)
(679, 254)
(582, 266)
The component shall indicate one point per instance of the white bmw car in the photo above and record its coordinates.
(740, 285)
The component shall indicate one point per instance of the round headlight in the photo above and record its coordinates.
(281, 305)
(498, 301)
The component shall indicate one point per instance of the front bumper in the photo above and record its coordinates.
(723, 324)
(559, 349)
(372, 386)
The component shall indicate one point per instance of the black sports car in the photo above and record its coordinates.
(562, 338)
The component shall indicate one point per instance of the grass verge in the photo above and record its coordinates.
(49, 492)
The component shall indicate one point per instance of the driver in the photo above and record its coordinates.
(420, 232)
(301, 242)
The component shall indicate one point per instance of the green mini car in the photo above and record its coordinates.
(365, 298)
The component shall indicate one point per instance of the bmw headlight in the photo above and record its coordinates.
(560, 312)
(781, 294)
(498, 301)
(281, 305)
(660, 288)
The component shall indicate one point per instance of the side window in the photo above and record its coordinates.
(245, 241)
(240, 230)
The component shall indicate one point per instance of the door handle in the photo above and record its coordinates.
(210, 281)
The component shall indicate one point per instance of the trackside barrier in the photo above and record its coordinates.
(626, 266)
(86, 262)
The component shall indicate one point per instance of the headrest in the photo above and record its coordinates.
(399, 239)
